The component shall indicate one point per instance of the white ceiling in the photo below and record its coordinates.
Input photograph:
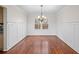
(37, 8)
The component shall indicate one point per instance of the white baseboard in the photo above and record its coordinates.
(67, 43)
(41, 34)
(14, 44)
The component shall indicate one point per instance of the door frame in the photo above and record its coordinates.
(4, 28)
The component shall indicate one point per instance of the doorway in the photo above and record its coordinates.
(1, 29)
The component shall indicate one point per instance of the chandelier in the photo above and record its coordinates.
(42, 18)
(41, 21)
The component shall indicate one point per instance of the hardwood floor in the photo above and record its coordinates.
(41, 45)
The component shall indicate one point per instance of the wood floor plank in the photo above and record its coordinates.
(41, 45)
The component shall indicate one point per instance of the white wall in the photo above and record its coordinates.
(68, 26)
(16, 25)
(51, 25)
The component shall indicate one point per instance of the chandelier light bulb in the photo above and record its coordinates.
(38, 16)
(43, 16)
